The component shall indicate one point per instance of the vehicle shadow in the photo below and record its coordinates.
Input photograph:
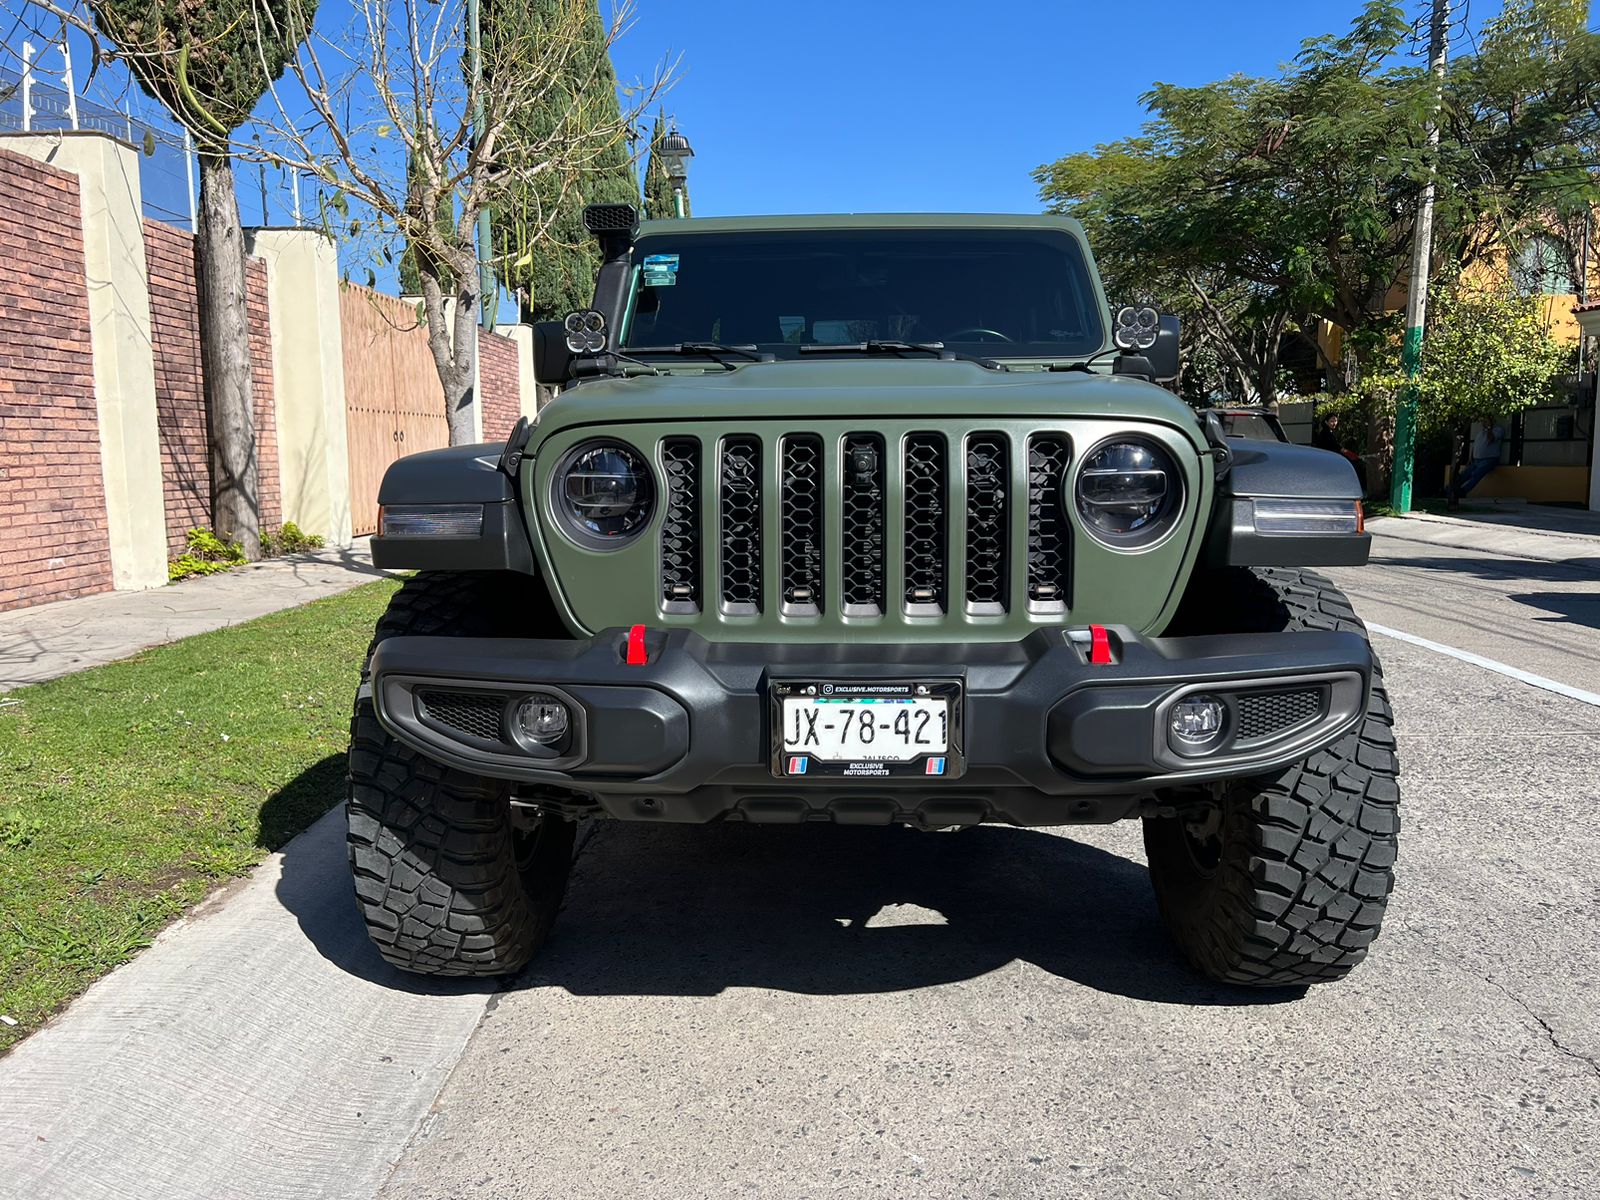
(829, 910)
(314, 885)
(691, 910)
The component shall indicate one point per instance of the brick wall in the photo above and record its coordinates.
(53, 539)
(499, 376)
(180, 388)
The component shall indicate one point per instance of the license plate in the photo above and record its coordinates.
(866, 730)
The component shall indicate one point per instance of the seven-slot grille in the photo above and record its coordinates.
(987, 525)
(680, 527)
(1049, 535)
(740, 505)
(862, 494)
(847, 504)
(800, 524)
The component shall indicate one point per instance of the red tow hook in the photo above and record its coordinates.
(637, 656)
(1100, 646)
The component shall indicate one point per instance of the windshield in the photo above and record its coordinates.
(1004, 293)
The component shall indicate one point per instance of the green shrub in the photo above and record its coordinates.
(207, 554)
(290, 540)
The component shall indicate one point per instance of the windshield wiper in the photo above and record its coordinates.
(894, 346)
(719, 351)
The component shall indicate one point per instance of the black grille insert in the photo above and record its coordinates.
(1049, 535)
(680, 529)
(1268, 714)
(987, 521)
(925, 484)
(800, 524)
(741, 524)
(475, 714)
(863, 524)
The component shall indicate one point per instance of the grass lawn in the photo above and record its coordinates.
(130, 790)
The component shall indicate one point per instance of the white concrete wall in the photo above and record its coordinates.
(308, 379)
(527, 388)
(124, 358)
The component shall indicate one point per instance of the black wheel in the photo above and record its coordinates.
(1282, 880)
(446, 881)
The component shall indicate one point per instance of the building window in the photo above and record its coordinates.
(1541, 268)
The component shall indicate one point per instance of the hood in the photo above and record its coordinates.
(863, 389)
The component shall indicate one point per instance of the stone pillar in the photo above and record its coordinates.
(308, 378)
(119, 329)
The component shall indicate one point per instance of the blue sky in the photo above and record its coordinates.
(884, 105)
(829, 106)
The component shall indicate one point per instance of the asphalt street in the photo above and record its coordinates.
(997, 1013)
(1539, 616)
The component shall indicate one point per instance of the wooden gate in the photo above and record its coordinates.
(393, 402)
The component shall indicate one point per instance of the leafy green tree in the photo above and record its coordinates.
(209, 65)
(547, 254)
(1487, 352)
(1261, 205)
(1522, 135)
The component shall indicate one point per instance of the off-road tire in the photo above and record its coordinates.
(1288, 886)
(445, 883)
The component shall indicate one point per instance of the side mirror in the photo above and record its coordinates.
(552, 360)
(1163, 355)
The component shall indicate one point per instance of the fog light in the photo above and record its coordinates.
(1196, 721)
(540, 721)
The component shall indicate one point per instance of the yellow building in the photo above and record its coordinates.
(1549, 454)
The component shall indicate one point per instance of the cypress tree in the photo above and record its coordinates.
(554, 264)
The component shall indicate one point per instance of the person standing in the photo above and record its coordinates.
(1485, 457)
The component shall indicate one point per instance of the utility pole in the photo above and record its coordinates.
(486, 285)
(1405, 420)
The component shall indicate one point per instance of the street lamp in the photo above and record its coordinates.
(675, 155)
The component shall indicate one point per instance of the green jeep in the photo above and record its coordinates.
(871, 519)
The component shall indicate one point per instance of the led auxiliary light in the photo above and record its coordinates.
(1196, 721)
(1135, 328)
(586, 331)
(541, 720)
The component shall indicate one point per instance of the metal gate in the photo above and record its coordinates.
(393, 402)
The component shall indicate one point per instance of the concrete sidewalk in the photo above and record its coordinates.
(48, 640)
(1532, 531)
(258, 1050)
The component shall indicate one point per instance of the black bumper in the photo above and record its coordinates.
(1047, 736)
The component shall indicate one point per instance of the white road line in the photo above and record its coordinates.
(1489, 664)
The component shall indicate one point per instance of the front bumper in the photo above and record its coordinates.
(1048, 736)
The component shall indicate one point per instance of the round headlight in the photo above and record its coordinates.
(1129, 493)
(604, 493)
